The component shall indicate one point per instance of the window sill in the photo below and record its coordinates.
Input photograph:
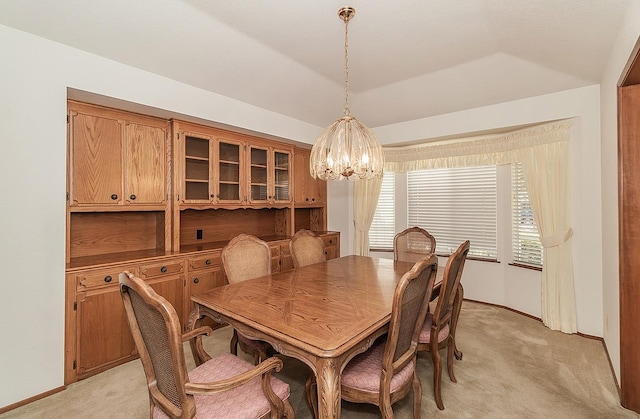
(522, 265)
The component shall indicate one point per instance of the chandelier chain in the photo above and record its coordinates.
(347, 112)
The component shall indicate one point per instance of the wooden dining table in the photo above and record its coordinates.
(322, 314)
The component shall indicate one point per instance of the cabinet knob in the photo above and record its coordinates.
(207, 262)
(132, 197)
(107, 278)
(114, 197)
(212, 196)
(330, 241)
(306, 199)
(163, 269)
(196, 280)
(325, 252)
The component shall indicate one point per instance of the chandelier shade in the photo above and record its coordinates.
(346, 149)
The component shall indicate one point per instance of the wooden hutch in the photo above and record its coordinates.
(161, 198)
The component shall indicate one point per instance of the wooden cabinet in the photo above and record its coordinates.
(116, 158)
(160, 199)
(331, 244)
(209, 167)
(308, 191)
(269, 176)
(98, 336)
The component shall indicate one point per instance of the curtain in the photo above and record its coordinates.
(547, 182)
(365, 200)
(544, 153)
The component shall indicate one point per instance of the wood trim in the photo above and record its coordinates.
(631, 72)
(629, 242)
(31, 399)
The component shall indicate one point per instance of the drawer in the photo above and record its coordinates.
(101, 278)
(275, 250)
(159, 269)
(331, 240)
(206, 261)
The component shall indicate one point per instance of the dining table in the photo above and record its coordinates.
(323, 314)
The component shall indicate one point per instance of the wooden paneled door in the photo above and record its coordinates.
(629, 232)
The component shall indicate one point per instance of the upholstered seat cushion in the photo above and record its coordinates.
(258, 345)
(247, 401)
(425, 334)
(363, 371)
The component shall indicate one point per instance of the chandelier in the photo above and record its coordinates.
(347, 148)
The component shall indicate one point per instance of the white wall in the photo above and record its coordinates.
(34, 77)
(629, 33)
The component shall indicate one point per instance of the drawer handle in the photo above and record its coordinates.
(306, 199)
(107, 278)
(132, 197)
(114, 197)
(163, 269)
(207, 262)
(196, 280)
(330, 241)
(325, 252)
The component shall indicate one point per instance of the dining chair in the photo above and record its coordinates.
(386, 372)
(412, 244)
(306, 248)
(222, 387)
(438, 330)
(246, 257)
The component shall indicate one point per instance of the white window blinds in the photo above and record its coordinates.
(382, 228)
(454, 205)
(526, 246)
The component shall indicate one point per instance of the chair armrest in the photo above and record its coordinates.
(204, 330)
(263, 369)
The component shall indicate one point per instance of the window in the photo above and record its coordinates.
(454, 205)
(382, 228)
(526, 246)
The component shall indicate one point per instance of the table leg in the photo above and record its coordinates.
(328, 382)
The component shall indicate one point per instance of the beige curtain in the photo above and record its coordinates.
(365, 200)
(547, 179)
(544, 153)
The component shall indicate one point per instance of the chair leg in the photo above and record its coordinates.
(384, 404)
(233, 345)
(451, 345)
(437, 372)
(417, 396)
(457, 306)
(288, 410)
(311, 392)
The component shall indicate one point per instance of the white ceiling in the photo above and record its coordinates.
(408, 59)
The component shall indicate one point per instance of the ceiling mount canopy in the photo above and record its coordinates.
(347, 148)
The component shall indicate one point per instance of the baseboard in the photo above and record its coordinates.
(31, 399)
(584, 335)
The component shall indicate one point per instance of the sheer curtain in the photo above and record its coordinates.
(544, 152)
(365, 200)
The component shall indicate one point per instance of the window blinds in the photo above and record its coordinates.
(382, 228)
(526, 246)
(454, 205)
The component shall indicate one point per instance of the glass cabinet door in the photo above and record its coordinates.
(197, 164)
(281, 182)
(229, 172)
(258, 181)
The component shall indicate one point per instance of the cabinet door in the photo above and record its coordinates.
(95, 161)
(145, 164)
(259, 190)
(229, 177)
(307, 189)
(103, 337)
(281, 176)
(197, 187)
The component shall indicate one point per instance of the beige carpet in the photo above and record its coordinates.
(513, 367)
